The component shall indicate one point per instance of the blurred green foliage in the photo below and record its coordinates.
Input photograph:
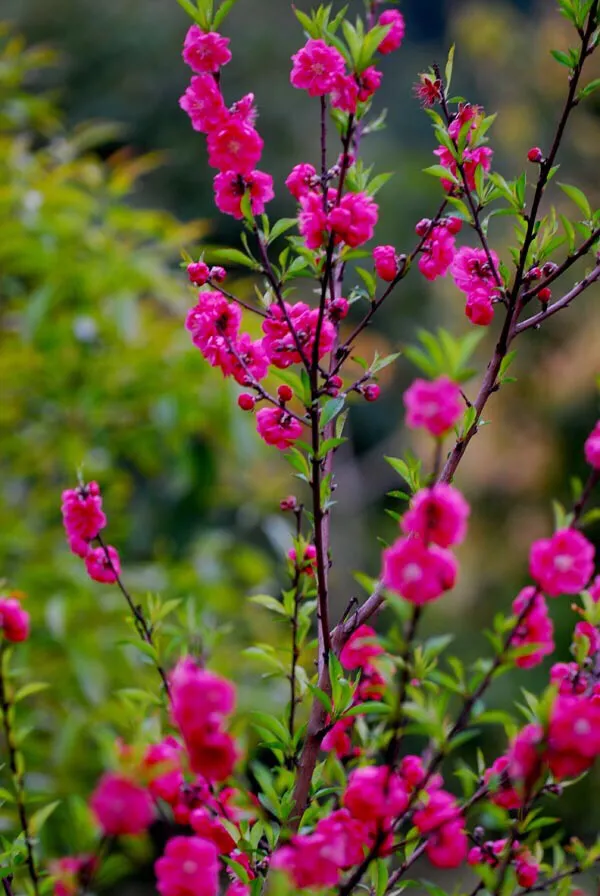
(97, 376)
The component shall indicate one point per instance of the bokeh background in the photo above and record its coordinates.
(102, 182)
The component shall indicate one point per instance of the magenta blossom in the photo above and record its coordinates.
(277, 427)
(562, 564)
(205, 52)
(316, 67)
(418, 573)
(435, 406)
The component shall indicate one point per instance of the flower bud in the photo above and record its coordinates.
(246, 401)
(372, 392)
(285, 393)
(218, 274)
(198, 273)
(535, 155)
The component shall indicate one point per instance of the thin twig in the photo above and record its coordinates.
(143, 627)
(16, 770)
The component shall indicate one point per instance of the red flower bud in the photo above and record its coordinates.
(285, 393)
(372, 392)
(535, 154)
(545, 294)
(246, 401)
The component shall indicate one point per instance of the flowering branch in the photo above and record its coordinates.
(560, 304)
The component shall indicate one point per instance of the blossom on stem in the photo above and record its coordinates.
(300, 181)
(562, 564)
(393, 39)
(121, 806)
(230, 188)
(418, 572)
(438, 514)
(535, 629)
(103, 564)
(433, 405)
(360, 648)
(188, 867)
(204, 103)
(316, 67)
(277, 427)
(438, 252)
(279, 343)
(592, 447)
(353, 220)
(386, 264)
(235, 146)
(205, 51)
(14, 620)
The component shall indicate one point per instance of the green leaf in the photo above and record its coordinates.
(193, 13)
(449, 69)
(223, 11)
(562, 57)
(589, 88)
(280, 227)
(265, 600)
(579, 198)
(34, 687)
(39, 818)
(330, 410)
(233, 256)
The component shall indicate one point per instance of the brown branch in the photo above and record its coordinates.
(560, 304)
(562, 268)
(143, 627)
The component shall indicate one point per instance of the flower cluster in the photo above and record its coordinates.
(467, 122)
(494, 852)
(83, 519)
(438, 249)
(374, 798)
(474, 275)
(234, 145)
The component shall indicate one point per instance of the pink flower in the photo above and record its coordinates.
(310, 860)
(573, 735)
(393, 38)
(448, 846)
(385, 260)
(347, 833)
(436, 406)
(234, 147)
(163, 762)
(417, 572)
(315, 68)
(527, 870)
(437, 514)
(71, 873)
(369, 81)
(83, 517)
(479, 308)
(205, 52)
(375, 793)
(471, 270)
(592, 447)
(188, 867)
(503, 794)
(198, 696)
(308, 560)
(230, 188)
(440, 809)
(338, 740)
(535, 629)
(344, 94)
(121, 806)
(214, 754)
(245, 110)
(361, 647)
(568, 677)
(301, 179)
(312, 221)
(526, 758)
(562, 564)
(14, 620)
(438, 252)
(214, 324)
(353, 220)
(255, 362)
(209, 828)
(103, 568)
(277, 427)
(280, 344)
(472, 160)
(204, 103)
(198, 273)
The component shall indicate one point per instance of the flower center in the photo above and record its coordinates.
(190, 867)
(563, 563)
(412, 572)
(582, 727)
